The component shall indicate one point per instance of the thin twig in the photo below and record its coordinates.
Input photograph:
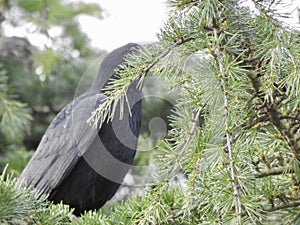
(192, 130)
(166, 52)
(153, 204)
(188, 138)
(233, 176)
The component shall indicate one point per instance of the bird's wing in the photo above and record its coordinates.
(66, 138)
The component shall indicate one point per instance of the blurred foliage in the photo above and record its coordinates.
(37, 81)
(17, 158)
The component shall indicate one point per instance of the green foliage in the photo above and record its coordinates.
(14, 115)
(47, 60)
(92, 218)
(16, 204)
(16, 158)
(45, 15)
(56, 10)
(23, 206)
(20, 205)
(32, 6)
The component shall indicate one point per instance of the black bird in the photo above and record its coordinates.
(81, 166)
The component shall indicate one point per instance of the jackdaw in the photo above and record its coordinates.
(82, 166)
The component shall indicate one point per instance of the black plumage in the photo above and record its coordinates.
(77, 164)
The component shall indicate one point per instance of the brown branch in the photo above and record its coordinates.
(274, 116)
(282, 126)
(274, 171)
(286, 205)
(254, 121)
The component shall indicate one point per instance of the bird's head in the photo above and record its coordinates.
(110, 63)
